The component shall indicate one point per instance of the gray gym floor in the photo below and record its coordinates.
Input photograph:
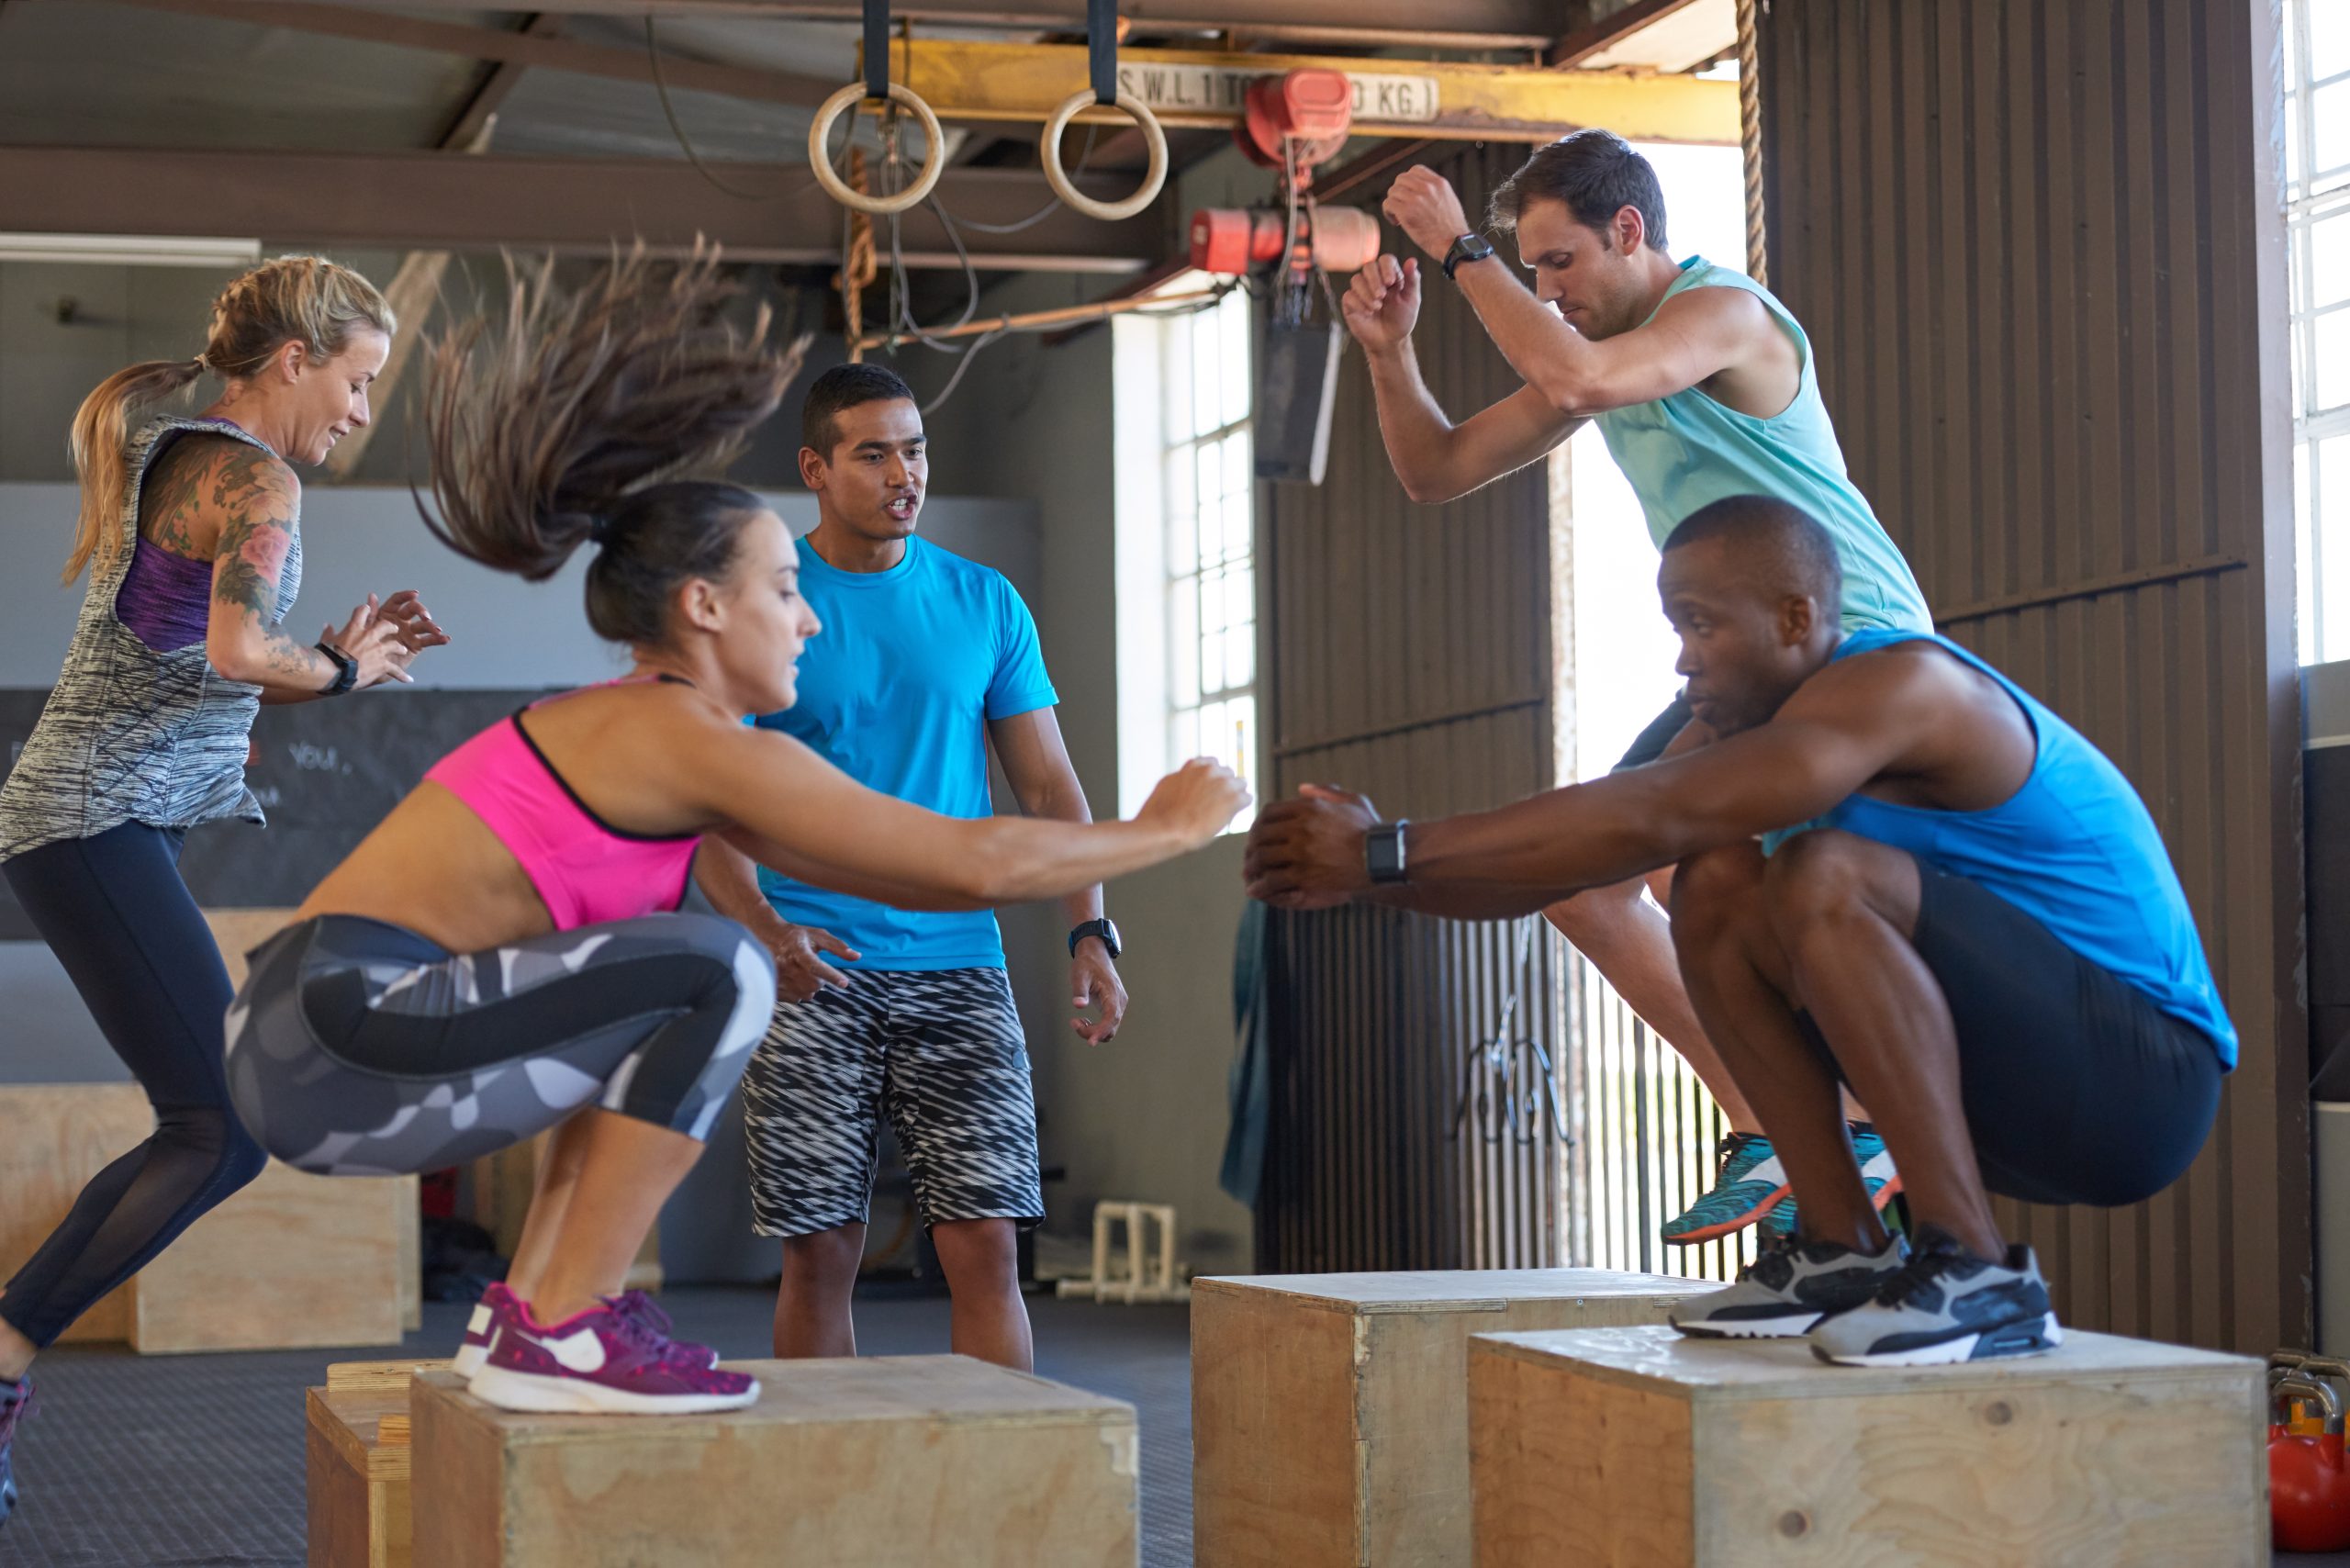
(195, 1461)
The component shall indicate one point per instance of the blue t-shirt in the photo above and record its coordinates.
(2074, 849)
(896, 692)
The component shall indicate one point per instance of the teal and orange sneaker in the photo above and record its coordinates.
(1750, 1183)
(1877, 1175)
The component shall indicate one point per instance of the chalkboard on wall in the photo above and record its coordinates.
(326, 773)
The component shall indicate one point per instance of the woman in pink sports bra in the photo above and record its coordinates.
(501, 955)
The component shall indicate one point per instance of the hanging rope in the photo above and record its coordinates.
(1749, 136)
(860, 264)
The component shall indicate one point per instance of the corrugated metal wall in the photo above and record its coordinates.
(1410, 658)
(2038, 244)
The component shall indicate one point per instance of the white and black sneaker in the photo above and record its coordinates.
(1790, 1286)
(1947, 1306)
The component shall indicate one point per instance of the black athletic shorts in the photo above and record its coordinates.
(1651, 741)
(2077, 1088)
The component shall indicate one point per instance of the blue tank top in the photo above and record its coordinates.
(2074, 849)
(1689, 450)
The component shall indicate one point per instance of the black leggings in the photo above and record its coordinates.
(115, 911)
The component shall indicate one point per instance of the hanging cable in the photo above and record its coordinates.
(684, 143)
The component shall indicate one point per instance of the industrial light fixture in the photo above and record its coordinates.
(130, 250)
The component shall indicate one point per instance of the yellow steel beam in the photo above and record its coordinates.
(973, 81)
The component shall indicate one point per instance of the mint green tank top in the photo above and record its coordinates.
(1686, 451)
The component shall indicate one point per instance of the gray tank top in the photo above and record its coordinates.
(130, 734)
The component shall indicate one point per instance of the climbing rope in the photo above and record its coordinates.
(1749, 136)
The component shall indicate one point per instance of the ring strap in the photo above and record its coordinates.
(1100, 48)
(877, 49)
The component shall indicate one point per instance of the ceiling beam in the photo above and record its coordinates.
(1472, 24)
(976, 80)
(1603, 34)
(503, 46)
(450, 201)
(472, 122)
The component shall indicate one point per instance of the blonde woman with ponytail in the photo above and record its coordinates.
(189, 530)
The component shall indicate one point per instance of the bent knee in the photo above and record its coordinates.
(1596, 912)
(1828, 873)
(1708, 886)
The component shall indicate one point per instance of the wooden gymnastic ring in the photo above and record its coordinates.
(819, 133)
(1048, 150)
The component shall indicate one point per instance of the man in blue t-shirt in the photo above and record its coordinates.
(924, 660)
(1897, 871)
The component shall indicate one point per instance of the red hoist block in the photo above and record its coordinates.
(1228, 241)
(1311, 108)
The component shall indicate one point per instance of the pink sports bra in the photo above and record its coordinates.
(586, 870)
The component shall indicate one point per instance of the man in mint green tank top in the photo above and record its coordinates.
(1703, 386)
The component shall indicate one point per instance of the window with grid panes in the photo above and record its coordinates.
(2317, 197)
(1210, 540)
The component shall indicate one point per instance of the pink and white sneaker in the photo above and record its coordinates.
(497, 1308)
(607, 1359)
(500, 1309)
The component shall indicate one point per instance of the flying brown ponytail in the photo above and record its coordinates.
(554, 424)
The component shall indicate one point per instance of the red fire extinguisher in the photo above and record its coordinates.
(2309, 1489)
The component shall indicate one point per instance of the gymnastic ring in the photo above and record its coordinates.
(820, 132)
(1048, 152)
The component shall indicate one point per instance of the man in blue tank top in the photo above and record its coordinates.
(926, 661)
(1703, 386)
(1897, 872)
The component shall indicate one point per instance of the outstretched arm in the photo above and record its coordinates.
(794, 812)
(1843, 728)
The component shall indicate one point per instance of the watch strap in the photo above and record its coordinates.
(1383, 853)
(1467, 248)
(346, 670)
(1102, 928)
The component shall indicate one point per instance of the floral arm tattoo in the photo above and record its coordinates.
(255, 497)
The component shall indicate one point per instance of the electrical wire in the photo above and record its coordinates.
(1045, 211)
(684, 143)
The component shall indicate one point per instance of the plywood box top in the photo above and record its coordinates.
(1447, 1289)
(1662, 1360)
(933, 1390)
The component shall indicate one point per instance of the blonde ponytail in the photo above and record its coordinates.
(101, 428)
(304, 299)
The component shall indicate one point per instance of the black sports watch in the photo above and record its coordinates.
(346, 671)
(1382, 852)
(1105, 929)
(1467, 248)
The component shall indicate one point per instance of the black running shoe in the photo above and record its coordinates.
(1947, 1306)
(1790, 1285)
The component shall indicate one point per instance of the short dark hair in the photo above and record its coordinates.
(1595, 173)
(840, 388)
(1800, 551)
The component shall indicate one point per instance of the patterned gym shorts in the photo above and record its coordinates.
(941, 1054)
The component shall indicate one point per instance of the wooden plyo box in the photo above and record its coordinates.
(1636, 1448)
(358, 1464)
(870, 1462)
(1330, 1412)
(292, 1261)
